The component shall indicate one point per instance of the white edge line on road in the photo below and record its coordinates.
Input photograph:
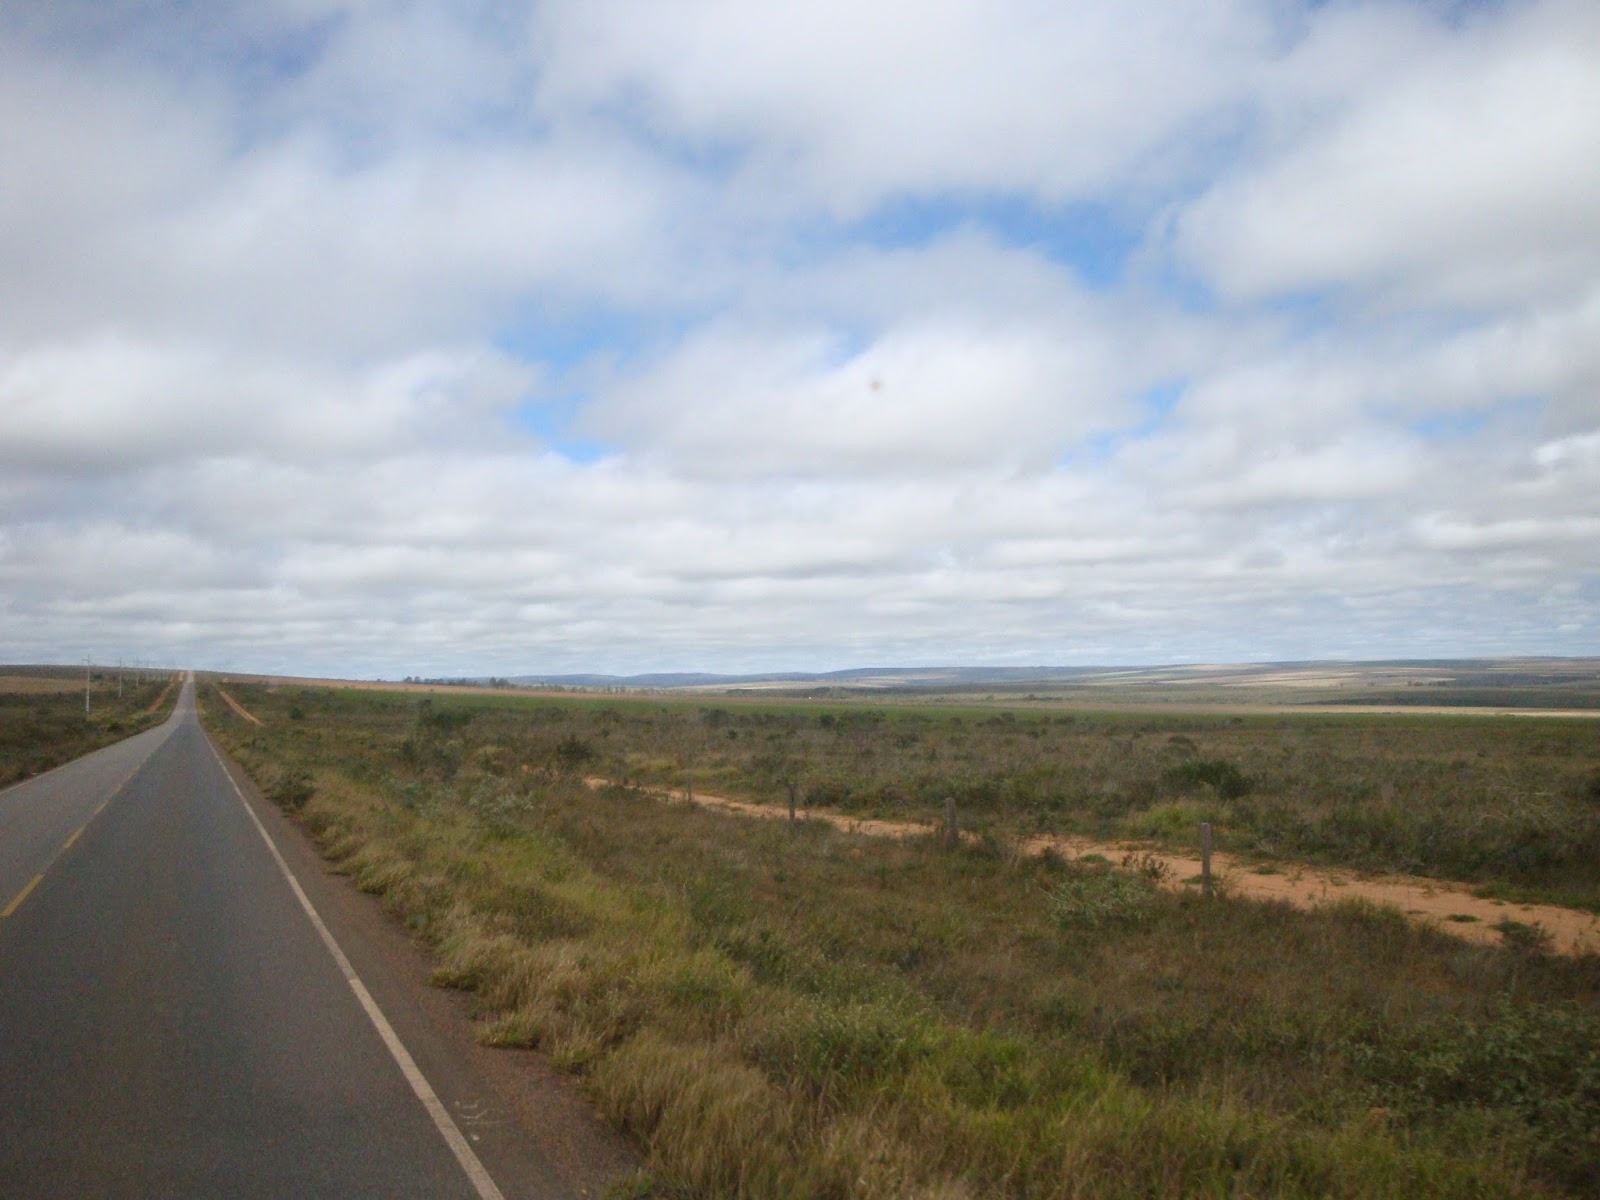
(469, 1161)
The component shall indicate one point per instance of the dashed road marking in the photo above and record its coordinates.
(22, 895)
(77, 833)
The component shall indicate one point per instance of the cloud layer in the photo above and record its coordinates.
(385, 337)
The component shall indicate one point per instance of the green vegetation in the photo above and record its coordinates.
(42, 723)
(788, 1010)
(1506, 803)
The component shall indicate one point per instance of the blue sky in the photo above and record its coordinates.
(382, 338)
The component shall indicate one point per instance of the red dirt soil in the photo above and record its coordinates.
(238, 708)
(1451, 907)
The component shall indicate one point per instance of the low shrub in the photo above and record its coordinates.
(1098, 897)
(1535, 1066)
(291, 790)
(1229, 781)
(572, 752)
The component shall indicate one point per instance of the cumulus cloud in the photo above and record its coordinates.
(917, 399)
(112, 403)
(1467, 177)
(387, 337)
(852, 103)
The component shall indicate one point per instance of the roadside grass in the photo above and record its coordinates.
(777, 1010)
(41, 729)
(1511, 804)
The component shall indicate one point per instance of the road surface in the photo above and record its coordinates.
(174, 1023)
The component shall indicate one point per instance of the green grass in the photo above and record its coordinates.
(1506, 803)
(41, 730)
(776, 1010)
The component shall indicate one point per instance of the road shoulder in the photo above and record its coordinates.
(535, 1133)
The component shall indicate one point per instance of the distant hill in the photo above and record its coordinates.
(858, 677)
(1483, 682)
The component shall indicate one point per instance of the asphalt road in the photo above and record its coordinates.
(172, 1021)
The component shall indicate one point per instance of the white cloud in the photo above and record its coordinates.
(109, 402)
(1347, 469)
(1442, 533)
(923, 398)
(1468, 176)
(287, 245)
(851, 103)
(287, 290)
(1570, 453)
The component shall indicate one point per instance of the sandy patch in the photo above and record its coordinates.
(238, 708)
(37, 685)
(1450, 907)
(160, 700)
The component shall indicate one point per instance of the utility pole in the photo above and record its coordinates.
(87, 668)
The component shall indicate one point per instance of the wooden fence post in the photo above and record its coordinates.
(791, 801)
(952, 835)
(1205, 858)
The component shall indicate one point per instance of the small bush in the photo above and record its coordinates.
(827, 1049)
(291, 790)
(573, 752)
(1525, 938)
(1539, 1065)
(443, 720)
(1148, 866)
(1175, 820)
(1229, 781)
(1099, 898)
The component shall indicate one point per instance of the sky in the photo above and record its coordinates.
(393, 337)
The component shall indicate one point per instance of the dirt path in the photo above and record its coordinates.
(1448, 906)
(238, 708)
(160, 700)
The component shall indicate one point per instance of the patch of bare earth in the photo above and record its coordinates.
(1451, 907)
(29, 685)
(238, 708)
(160, 700)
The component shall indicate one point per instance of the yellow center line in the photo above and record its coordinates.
(23, 894)
(67, 845)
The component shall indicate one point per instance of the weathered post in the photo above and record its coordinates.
(1205, 858)
(792, 790)
(951, 833)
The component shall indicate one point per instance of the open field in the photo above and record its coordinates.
(778, 1010)
(41, 715)
(1452, 908)
(1511, 806)
(1547, 686)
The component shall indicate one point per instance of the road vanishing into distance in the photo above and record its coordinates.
(177, 1019)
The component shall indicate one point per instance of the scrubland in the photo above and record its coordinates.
(42, 724)
(790, 1010)
(1509, 803)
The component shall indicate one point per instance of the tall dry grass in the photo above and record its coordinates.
(791, 1011)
